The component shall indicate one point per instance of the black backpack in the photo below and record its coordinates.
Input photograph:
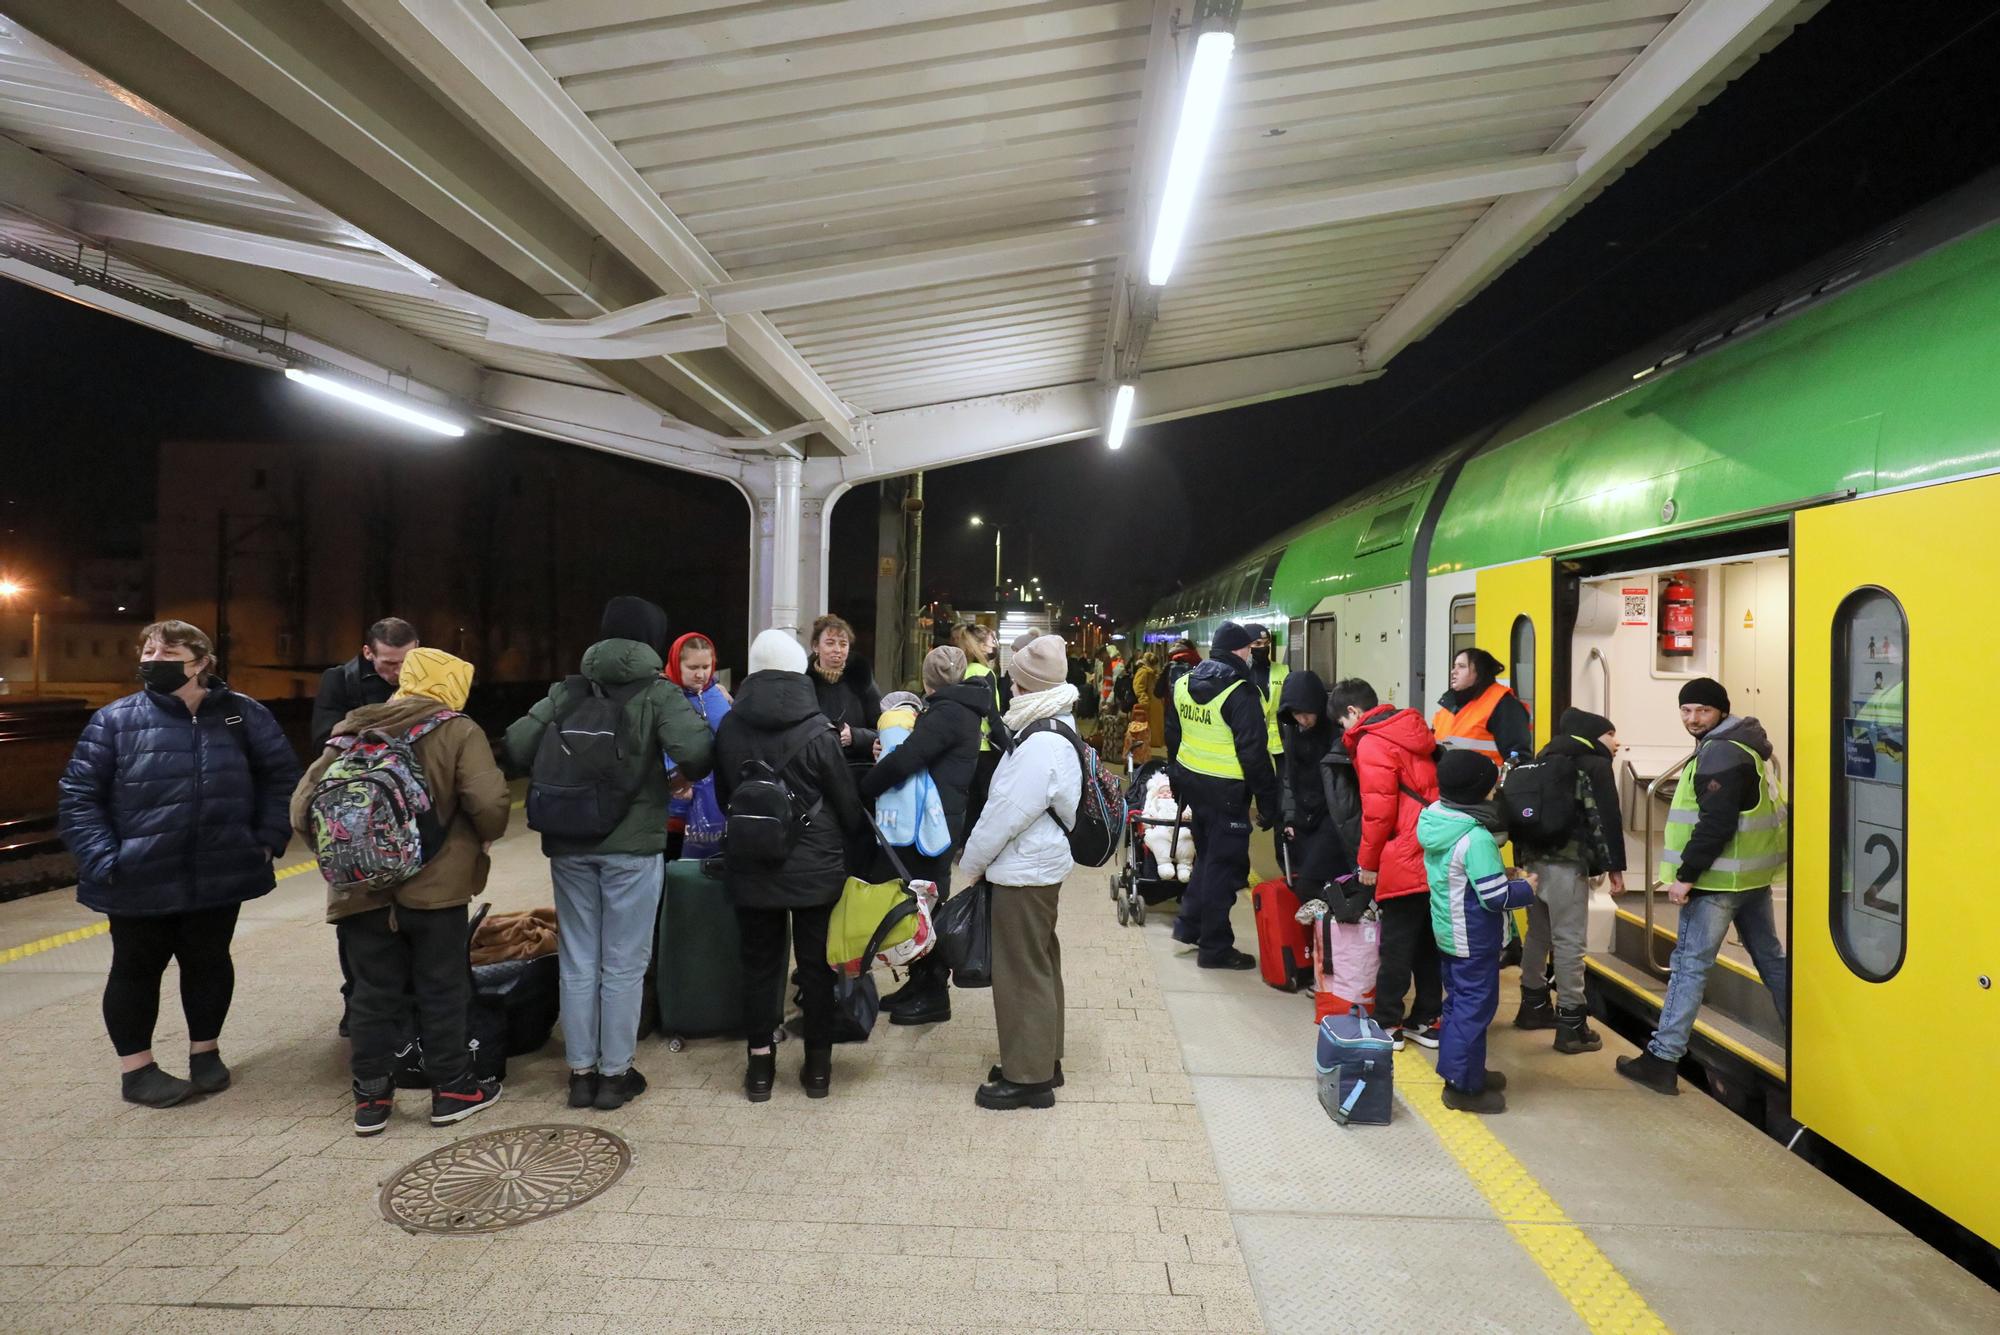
(765, 816)
(1100, 808)
(580, 785)
(1538, 799)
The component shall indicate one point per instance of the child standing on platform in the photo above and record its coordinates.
(1471, 893)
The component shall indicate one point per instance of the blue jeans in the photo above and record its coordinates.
(1705, 920)
(606, 905)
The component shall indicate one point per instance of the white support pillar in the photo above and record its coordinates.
(788, 546)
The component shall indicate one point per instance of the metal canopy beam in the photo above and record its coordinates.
(601, 419)
(1687, 56)
(1285, 212)
(472, 58)
(947, 433)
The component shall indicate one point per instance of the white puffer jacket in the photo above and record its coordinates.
(1017, 841)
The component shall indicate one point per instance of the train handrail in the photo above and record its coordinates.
(1654, 885)
(1604, 663)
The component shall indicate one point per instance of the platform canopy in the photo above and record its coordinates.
(799, 245)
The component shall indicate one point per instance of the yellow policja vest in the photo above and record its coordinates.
(1207, 745)
(973, 672)
(1278, 674)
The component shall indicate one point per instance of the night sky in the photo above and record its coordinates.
(1869, 110)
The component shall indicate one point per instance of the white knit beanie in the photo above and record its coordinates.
(1041, 665)
(777, 650)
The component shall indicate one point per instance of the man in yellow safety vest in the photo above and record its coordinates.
(1725, 847)
(1218, 760)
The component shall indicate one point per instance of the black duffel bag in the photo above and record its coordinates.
(514, 1006)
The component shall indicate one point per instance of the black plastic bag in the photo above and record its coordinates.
(965, 933)
(856, 1004)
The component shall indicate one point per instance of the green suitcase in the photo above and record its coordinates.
(698, 957)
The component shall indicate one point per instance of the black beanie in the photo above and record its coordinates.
(1229, 637)
(1579, 723)
(630, 618)
(1466, 776)
(1705, 691)
(1257, 631)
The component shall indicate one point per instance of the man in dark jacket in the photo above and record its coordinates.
(1725, 847)
(845, 687)
(945, 744)
(777, 720)
(368, 678)
(174, 806)
(1560, 915)
(1219, 759)
(607, 890)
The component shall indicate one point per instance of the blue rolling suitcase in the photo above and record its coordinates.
(1357, 1069)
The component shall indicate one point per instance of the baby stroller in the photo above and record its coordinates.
(1138, 883)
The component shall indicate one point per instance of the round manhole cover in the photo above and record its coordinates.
(504, 1178)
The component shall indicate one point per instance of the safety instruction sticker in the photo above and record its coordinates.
(1638, 602)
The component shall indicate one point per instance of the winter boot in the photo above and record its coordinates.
(816, 1073)
(1655, 1073)
(1485, 1101)
(1573, 1031)
(1537, 1012)
(758, 1074)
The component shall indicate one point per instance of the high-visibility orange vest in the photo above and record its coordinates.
(1466, 730)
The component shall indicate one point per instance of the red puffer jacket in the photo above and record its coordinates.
(1392, 759)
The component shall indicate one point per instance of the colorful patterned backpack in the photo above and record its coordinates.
(372, 819)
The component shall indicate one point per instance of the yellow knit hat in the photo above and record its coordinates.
(435, 675)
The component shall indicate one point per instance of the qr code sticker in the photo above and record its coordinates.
(1635, 605)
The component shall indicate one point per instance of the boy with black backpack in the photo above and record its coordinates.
(595, 750)
(1563, 813)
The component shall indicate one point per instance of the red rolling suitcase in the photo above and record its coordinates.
(1284, 951)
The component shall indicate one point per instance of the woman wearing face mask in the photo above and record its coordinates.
(175, 805)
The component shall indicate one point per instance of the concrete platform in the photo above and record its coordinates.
(1187, 1180)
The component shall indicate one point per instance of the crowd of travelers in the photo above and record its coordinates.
(181, 796)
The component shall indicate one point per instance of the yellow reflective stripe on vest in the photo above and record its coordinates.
(985, 727)
(1207, 745)
(1754, 853)
(1278, 674)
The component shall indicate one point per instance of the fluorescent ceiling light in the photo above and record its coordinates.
(1121, 415)
(388, 407)
(1200, 102)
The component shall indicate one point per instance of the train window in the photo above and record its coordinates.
(1244, 588)
(1266, 578)
(1521, 664)
(1464, 630)
(1385, 529)
(1871, 803)
(1323, 648)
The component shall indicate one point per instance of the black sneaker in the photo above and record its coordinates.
(614, 1091)
(582, 1089)
(207, 1073)
(994, 1077)
(1005, 1096)
(373, 1103)
(1423, 1035)
(154, 1088)
(1655, 1073)
(462, 1098)
(1234, 959)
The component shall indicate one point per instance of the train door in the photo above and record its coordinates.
(1514, 611)
(1894, 923)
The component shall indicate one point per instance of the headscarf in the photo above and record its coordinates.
(673, 669)
(435, 675)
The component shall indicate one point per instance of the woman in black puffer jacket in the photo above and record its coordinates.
(776, 716)
(174, 804)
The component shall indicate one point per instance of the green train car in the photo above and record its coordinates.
(1820, 464)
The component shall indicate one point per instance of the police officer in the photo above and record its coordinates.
(1725, 845)
(1270, 674)
(1218, 753)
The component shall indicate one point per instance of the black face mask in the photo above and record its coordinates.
(165, 675)
(1260, 658)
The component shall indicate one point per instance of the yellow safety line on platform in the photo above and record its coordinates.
(14, 953)
(1702, 1027)
(1581, 1272)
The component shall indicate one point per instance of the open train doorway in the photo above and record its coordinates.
(1634, 627)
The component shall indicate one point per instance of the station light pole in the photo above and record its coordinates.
(999, 590)
(12, 590)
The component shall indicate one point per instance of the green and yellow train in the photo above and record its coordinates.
(1818, 471)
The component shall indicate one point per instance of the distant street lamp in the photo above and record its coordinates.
(13, 590)
(999, 590)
